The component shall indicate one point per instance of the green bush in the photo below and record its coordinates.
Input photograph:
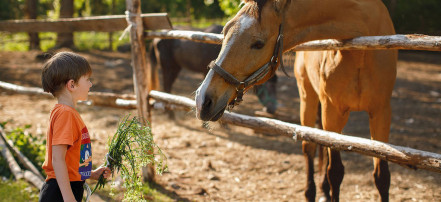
(17, 191)
(33, 147)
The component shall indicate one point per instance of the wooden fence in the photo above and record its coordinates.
(396, 154)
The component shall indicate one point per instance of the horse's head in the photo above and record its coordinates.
(249, 56)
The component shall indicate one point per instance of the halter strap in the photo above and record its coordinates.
(258, 75)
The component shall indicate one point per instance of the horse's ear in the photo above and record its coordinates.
(280, 5)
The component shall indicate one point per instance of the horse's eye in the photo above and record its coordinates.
(257, 45)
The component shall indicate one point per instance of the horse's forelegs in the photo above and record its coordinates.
(308, 110)
(379, 122)
(382, 178)
(334, 120)
(323, 165)
(323, 162)
(335, 173)
(309, 149)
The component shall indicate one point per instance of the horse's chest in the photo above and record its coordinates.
(342, 76)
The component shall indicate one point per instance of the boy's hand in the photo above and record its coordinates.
(101, 170)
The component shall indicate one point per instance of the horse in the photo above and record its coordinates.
(340, 81)
(171, 55)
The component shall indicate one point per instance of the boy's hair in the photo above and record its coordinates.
(61, 68)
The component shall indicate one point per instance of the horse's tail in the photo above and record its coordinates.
(153, 66)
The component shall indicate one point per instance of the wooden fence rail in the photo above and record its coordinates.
(396, 154)
(408, 42)
(95, 98)
(109, 23)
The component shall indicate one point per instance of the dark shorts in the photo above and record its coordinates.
(51, 192)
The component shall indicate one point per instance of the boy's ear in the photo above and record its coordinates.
(70, 85)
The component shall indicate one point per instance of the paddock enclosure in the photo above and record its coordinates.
(236, 163)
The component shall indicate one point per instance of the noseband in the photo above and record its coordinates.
(269, 67)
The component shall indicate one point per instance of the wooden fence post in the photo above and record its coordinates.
(142, 80)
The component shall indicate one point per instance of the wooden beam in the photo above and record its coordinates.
(22, 158)
(142, 73)
(404, 42)
(109, 23)
(396, 154)
(34, 177)
(190, 35)
(96, 98)
(141, 76)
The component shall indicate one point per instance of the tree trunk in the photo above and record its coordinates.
(66, 11)
(31, 13)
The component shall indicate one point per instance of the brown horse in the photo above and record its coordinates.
(341, 81)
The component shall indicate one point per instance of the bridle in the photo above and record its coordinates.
(269, 67)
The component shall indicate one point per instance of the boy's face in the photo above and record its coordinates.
(83, 86)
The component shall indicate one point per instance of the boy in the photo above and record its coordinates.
(68, 161)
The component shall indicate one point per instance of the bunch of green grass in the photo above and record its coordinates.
(131, 148)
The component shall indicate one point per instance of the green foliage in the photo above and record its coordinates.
(33, 147)
(44, 7)
(131, 148)
(230, 8)
(47, 40)
(422, 17)
(4, 168)
(11, 9)
(14, 42)
(17, 191)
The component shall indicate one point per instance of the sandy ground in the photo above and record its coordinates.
(235, 163)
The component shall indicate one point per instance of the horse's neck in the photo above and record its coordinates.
(337, 19)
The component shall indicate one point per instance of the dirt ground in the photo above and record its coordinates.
(235, 163)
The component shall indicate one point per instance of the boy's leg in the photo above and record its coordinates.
(50, 192)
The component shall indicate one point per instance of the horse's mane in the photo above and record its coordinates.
(254, 8)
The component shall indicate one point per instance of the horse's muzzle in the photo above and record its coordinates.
(209, 111)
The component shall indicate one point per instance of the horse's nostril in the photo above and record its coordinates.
(207, 103)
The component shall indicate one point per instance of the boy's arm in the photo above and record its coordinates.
(61, 174)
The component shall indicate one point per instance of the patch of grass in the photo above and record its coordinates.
(17, 191)
(200, 23)
(98, 40)
(152, 194)
(111, 193)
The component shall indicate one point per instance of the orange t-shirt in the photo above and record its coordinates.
(66, 127)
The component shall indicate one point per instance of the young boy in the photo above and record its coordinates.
(68, 161)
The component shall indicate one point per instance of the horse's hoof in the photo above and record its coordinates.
(324, 199)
